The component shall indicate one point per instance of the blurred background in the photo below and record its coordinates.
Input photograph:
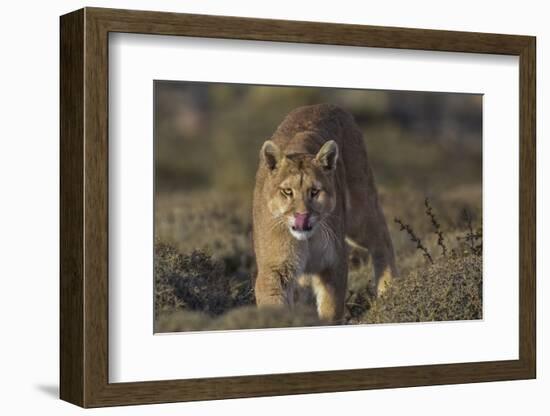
(426, 140)
(207, 140)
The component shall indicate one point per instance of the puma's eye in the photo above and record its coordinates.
(286, 191)
(314, 192)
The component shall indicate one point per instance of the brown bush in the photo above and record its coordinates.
(450, 289)
(193, 282)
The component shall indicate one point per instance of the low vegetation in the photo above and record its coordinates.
(204, 281)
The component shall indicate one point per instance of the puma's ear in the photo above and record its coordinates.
(328, 155)
(270, 154)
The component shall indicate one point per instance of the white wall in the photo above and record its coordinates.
(29, 205)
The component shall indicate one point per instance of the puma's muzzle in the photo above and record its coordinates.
(302, 222)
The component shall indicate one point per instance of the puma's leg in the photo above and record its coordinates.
(329, 288)
(274, 287)
(368, 228)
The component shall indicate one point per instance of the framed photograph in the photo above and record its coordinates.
(257, 207)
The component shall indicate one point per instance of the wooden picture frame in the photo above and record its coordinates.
(84, 207)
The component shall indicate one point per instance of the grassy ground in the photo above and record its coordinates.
(204, 264)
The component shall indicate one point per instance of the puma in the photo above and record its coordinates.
(315, 193)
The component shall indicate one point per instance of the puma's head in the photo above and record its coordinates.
(301, 187)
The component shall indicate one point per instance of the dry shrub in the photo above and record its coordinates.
(168, 263)
(451, 289)
(192, 282)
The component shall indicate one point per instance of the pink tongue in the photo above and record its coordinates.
(301, 221)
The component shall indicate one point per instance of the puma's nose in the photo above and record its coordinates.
(301, 221)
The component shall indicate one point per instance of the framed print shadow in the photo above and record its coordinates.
(333, 197)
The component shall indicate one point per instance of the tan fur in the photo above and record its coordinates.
(316, 148)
